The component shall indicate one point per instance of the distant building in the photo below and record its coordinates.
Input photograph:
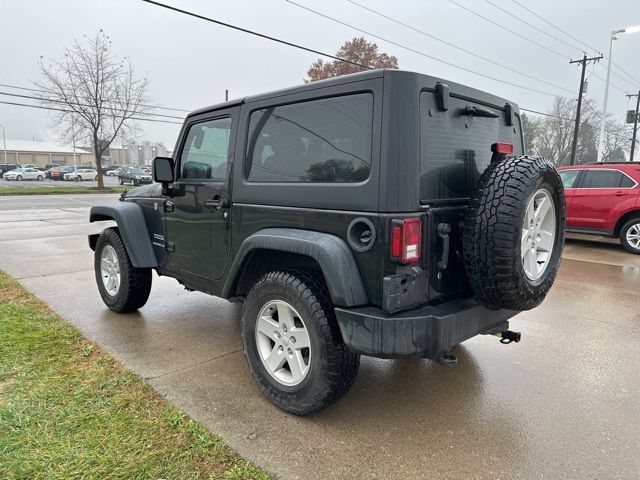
(46, 153)
(43, 153)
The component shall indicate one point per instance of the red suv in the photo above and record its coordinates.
(604, 199)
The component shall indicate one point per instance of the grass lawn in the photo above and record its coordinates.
(69, 410)
(59, 190)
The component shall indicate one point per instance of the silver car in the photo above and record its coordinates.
(24, 174)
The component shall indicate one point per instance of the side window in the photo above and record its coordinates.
(627, 182)
(319, 141)
(601, 179)
(206, 149)
(568, 177)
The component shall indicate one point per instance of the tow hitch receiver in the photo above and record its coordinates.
(508, 336)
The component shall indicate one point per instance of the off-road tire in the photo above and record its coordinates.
(333, 367)
(493, 232)
(135, 283)
(623, 235)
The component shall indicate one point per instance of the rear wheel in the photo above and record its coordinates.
(39, 178)
(123, 287)
(630, 236)
(293, 344)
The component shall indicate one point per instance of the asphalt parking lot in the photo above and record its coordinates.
(563, 403)
(108, 181)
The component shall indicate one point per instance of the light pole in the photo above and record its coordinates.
(633, 29)
(4, 145)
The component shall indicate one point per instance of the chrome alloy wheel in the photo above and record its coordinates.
(110, 270)
(633, 236)
(283, 343)
(538, 234)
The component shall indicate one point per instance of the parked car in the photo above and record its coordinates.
(82, 174)
(29, 165)
(6, 167)
(59, 173)
(604, 199)
(24, 174)
(344, 228)
(134, 176)
(113, 173)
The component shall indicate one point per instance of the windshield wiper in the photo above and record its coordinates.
(476, 111)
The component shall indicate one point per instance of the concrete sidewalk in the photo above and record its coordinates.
(563, 403)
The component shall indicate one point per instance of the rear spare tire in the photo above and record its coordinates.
(514, 233)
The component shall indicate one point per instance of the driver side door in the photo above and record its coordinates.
(197, 215)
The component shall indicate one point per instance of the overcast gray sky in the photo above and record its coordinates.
(190, 62)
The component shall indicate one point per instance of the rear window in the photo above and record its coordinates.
(456, 149)
(324, 140)
(597, 178)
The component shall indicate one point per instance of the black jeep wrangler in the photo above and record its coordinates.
(384, 213)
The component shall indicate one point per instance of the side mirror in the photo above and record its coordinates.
(163, 171)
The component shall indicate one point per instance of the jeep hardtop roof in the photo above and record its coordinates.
(420, 80)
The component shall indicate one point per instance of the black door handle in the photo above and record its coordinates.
(217, 203)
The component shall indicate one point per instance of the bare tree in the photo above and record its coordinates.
(358, 50)
(616, 141)
(97, 96)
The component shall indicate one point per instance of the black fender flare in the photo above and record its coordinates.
(332, 254)
(133, 231)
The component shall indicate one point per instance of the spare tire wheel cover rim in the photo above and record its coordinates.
(538, 234)
(283, 343)
(110, 270)
(633, 235)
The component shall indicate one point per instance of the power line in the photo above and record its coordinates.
(418, 52)
(142, 104)
(546, 114)
(33, 97)
(554, 26)
(257, 34)
(298, 46)
(434, 37)
(531, 25)
(510, 31)
(71, 111)
(637, 82)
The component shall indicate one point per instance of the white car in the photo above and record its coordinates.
(113, 173)
(24, 174)
(82, 174)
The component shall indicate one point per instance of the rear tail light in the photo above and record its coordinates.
(406, 240)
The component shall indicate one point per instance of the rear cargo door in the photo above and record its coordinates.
(455, 150)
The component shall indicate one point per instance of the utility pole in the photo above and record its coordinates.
(584, 61)
(635, 125)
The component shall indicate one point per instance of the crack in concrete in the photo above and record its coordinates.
(193, 365)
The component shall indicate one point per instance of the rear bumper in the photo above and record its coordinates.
(427, 331)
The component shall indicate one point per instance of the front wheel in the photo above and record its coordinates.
(19, 178)
(630, 236)
(123, 287)
(293, 344)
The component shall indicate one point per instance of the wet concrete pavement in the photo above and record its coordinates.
(563, 403)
